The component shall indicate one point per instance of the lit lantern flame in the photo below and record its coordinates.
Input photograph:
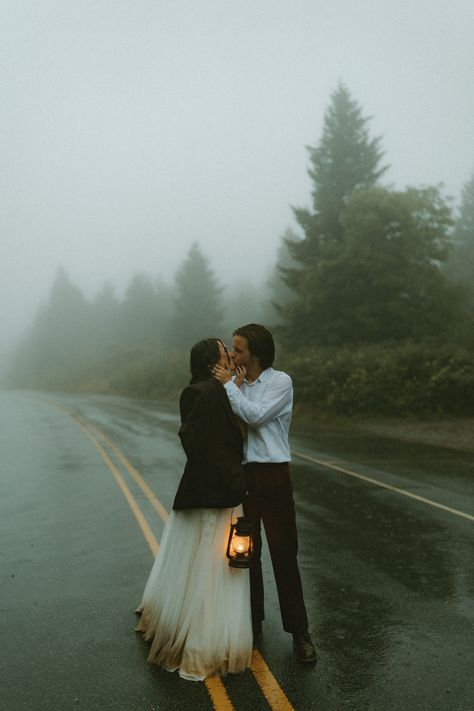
(239, 545)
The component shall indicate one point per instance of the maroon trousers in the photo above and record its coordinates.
(270, 499)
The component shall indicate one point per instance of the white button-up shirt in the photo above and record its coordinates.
(265, 405)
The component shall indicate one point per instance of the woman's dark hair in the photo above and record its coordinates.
(260, 342)
(204, 355)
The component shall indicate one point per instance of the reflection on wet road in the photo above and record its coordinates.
(388, 579)
(392, 577)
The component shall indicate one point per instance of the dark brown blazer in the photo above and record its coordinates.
(213, 476)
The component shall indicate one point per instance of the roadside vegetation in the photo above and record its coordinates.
(371, 299)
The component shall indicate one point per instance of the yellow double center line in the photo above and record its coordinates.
(272, 691)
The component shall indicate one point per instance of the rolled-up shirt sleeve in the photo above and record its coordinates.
(277, 396)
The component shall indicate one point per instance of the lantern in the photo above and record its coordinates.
(239, 545)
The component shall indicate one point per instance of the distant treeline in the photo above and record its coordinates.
(372, 299)
(135, 345)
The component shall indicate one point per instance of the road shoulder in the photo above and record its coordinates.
(452, 433)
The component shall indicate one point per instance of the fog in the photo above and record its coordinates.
(130, 130)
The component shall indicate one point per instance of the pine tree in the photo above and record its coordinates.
(51, 354)
(143, 321)
(465, 222)
(198, 313)
(387, 284)
(245, 302)
(460, 267)
(346, 159)
(105, 324)
(279, 293)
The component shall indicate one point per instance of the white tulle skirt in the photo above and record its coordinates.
(195, 608)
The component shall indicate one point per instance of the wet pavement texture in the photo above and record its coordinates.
(388, 580)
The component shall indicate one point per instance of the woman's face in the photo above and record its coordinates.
(224, 360)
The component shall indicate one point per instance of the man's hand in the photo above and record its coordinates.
(240, 373)
(222, 374)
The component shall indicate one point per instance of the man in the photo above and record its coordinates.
(264, 401)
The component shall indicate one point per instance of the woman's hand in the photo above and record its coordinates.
(222, 374)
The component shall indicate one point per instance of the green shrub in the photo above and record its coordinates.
(384, 379)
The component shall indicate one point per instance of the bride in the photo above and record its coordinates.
(195, 609)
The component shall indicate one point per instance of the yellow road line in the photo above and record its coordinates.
(215, 688)
(219, 696)
(272, 691)
(269, 686)
(376, 482)
(142, 522)
(265, 679)
(155, 502)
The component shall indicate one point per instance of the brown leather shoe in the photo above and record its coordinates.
(304, 648)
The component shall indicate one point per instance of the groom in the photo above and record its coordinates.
(264, 401)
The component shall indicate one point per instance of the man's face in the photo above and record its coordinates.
(240, 353)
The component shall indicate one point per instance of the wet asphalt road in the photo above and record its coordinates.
(388, 580)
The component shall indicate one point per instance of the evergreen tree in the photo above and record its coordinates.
(279, 293)
(143, 320)
(386, 284)
(345, 160)
(165, 297)
(245, 302)
(105, 320)
(198, 313)
(460, 267)
(51, 355)
(465, 222)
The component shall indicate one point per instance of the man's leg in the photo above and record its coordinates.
(271, 495)
(278, 515)
(252, 512)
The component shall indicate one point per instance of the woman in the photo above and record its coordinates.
(195, 608)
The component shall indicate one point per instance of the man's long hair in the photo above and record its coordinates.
(260, 342)
(204, 355)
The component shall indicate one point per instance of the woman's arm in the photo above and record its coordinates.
(195, 419)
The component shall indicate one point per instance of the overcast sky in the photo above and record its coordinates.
(131, 128)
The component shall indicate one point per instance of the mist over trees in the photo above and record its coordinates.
(54, 349)
(134, 345)
(371, 299)
(197, 302)
(345, 160)
(368, 261)
(382, 281)
(460, 266)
